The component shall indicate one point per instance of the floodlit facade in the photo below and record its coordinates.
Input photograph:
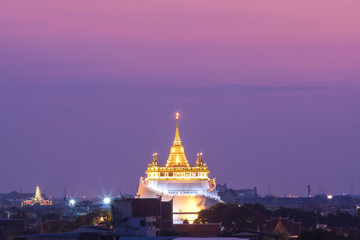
(189, 187)
(37, 199)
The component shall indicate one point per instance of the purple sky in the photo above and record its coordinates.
(269, 90)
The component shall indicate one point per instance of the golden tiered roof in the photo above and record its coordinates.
(177, 156)
(177, 165)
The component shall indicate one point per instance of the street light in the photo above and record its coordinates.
(107, 200)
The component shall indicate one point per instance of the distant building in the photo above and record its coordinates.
(283, 226)
(247, 193)
(38, 199)
(328, 204)
(221, 188)
(4, 203)
(229, 196)
(83, 208)
(13, 198)
(237, 196)
(141, 216)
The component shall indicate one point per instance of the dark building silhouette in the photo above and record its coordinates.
(141, 216)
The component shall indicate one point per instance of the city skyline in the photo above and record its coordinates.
(268, 91)
(111, 191)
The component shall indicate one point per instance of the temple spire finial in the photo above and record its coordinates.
(177, 154)
(177, 140)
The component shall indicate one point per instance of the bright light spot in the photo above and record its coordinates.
(107, 200)
(329, 196)
(72, 202)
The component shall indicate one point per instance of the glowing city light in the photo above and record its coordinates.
(329, 196)
(107, 200)
(72, 202)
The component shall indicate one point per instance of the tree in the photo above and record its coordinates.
(234, 218)
(91, 218)
(318, 234)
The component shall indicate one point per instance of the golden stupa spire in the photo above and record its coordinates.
(177, 140)
(177, 155)
(37, 193)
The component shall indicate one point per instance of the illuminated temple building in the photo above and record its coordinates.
(189, 187)
(38, 199)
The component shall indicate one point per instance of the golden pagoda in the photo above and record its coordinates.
(177, 166)
(189, 187)
(38, 199)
